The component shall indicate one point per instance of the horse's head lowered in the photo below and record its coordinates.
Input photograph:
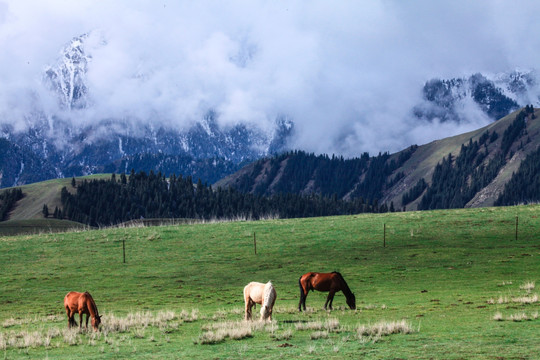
(96, 320)
(351, 301)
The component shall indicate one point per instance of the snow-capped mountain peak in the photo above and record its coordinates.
(67, 78)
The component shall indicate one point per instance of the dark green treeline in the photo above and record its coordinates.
(141, 195)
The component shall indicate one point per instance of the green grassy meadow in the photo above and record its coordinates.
(459, 279)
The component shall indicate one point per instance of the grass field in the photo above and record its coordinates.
(453, 284)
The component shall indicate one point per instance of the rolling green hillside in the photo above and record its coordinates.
(449, 284)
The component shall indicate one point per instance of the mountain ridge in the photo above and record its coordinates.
(394, 175)
(74, 140)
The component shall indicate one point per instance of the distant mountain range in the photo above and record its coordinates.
(494, 95)
(468, 170)
(52, 145)
(496, 165)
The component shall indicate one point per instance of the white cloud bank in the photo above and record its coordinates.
(346, 72)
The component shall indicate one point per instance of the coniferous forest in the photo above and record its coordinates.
(524, 187)
(456, 180)
(141, 195)
(8, 198)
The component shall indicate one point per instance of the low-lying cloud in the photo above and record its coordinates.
(347, 73)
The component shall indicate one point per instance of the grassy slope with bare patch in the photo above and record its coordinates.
(440, 272)
(45, 192)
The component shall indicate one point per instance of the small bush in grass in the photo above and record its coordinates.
(311, 325)
(531, 299)
(188, 317)
(11, 322)
(528, 286)
(500, 300)
(376, 331)
(71, 336)
(331, 325)
(285, 335)
(135, 320)
(217, 336)
(319, 335)
(518, 317)
(236, 330)
(526, 299)
(139, 332)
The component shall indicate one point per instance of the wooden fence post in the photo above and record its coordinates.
(384, 236)
(516, 227)
(254, 243)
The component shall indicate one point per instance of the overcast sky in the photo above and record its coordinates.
(346, 72)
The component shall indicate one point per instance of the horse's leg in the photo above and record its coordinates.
(270, 309)
(301, 294)
(69, 317)
(87, 317)
(80, 320)
(248, 309)
(329, 299)
(302, 300)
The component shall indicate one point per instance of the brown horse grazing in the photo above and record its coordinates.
(82, 303)
(331, 282)
(259, 293)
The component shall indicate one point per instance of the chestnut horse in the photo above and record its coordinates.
(331, 282)
(259, 293)
(82, 303)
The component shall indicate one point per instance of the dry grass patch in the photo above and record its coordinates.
(375, 332)
(498, 316)
(528, 286)
(280, 336)
(236, 330)
(319, 335)
(526, 299)
(331, 325)
(24, 339)
(164, 320)
(30, 320)
(517, 317)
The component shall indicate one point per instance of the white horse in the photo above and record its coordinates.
(259, 293)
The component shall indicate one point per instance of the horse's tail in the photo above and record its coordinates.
(269, 298)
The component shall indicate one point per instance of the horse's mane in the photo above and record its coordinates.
(346, 290)
(90, 299)
(267, 293)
